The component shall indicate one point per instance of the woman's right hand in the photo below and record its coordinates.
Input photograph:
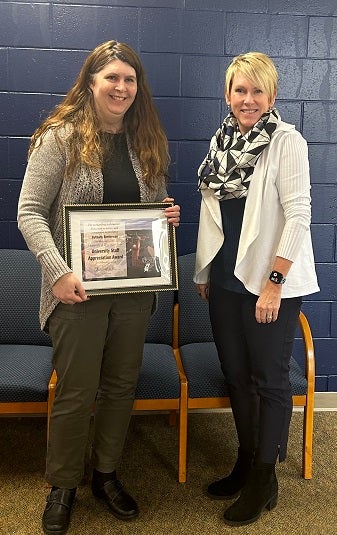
(203, 291)
(69, 290)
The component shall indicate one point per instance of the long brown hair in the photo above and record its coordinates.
(141, 121)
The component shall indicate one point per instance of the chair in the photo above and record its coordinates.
(161, 385)
(195, 350)
(25, 352)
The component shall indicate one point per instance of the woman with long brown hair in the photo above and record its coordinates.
(102, 144)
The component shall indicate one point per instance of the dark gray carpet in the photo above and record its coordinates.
(149, 471)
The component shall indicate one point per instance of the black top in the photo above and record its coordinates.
(222, 267)
(120, 181)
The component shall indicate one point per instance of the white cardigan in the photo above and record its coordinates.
(276, 220)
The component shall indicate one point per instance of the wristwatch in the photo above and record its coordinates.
(277, 277)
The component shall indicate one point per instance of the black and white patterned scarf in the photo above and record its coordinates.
(230, 162)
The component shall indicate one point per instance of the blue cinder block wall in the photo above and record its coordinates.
(185, 46)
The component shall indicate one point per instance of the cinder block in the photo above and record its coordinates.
(334, 319)
(44, 71)
(323, 114)
(307, 79)
(189, 201)
(173, 171)
(323, 239)
(187, 238)
(332, 383)
(163, 73)
(322, 159)
(324, 203)
(16, 240)
(17, 159)
(201, 118)
(25, 25)
(318, 314)
(168, 30)
(190, 156)
(325, 351)
(290, 112)
(9, 196)
(189, 118)
(276, 35)
(321, 383)
(84, 27)
(203, 76)
(327, 276)
(22, 113)
(4, 158)
(4, 235)
(4, 69)
(322, 38)
(302, 7)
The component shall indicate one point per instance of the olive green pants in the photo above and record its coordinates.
(98, 349)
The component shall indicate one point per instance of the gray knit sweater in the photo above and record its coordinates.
(43, 194)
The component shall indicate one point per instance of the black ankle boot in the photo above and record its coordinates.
(56, 516)
(230, 485)
(259, 492)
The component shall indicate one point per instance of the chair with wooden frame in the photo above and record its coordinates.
(161, 385)
(25, 352)
(197, 356)
(27, 379)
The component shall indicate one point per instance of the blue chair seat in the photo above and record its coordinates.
(202, 368)
(159, 377)
(205, 379)
(25, 371)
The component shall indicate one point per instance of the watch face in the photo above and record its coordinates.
(277, 277)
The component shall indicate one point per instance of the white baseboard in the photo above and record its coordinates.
(326, 401)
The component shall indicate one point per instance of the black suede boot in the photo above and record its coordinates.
(230, 485)
(259, 492)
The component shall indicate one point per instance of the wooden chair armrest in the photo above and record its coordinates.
(52, 381)
(308, 350)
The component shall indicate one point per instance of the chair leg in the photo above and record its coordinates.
(308, 426)
(51, 397)
(183, 416)
(173, 418)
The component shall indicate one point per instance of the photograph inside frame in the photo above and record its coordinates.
(114, 248)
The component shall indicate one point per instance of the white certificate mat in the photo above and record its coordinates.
(121, 248)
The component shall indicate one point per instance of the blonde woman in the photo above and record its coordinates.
(254, 263)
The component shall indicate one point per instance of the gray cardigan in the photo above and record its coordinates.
(43, 194)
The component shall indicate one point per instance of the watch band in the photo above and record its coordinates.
(277, 277)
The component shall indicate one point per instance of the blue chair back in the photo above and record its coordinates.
(194, 322)
(160, 329)
(20, 277)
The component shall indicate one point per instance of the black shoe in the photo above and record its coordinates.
(260, 492)
(56, 516)
(229, 486)
(121, 504)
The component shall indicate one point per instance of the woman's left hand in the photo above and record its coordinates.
(268, 304)
(172, 212)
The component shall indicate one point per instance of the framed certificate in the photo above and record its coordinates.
(120, 248)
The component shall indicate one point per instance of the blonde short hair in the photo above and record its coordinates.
(258, 68)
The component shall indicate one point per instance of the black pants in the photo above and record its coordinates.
(255, 361)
